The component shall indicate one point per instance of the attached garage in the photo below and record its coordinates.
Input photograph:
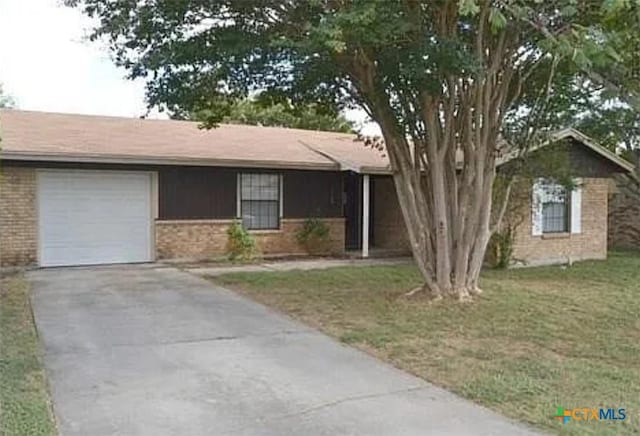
(94, 217)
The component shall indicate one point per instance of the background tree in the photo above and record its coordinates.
(587, 106)
(6, 101)
(615, 127)
(267, 111)
(441, 78)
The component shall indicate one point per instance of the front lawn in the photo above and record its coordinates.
(538, 338)
(25, 408)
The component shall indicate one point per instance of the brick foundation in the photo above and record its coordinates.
(205, 239)
(591, 243)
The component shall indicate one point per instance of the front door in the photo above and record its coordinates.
(352, 204)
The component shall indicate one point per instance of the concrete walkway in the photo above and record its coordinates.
(155, 351)
(290, 265)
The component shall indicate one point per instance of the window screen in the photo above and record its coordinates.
(555, 209)
(260, 201)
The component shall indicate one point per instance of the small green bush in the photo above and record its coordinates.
(241, 245)
(501, 248)
(313, 235)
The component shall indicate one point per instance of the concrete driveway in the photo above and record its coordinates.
(145, 350)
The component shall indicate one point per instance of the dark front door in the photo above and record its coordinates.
(353, 210)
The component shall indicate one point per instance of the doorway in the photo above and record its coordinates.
(352, 210)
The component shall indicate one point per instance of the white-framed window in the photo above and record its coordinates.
(555, 209)
(259, 200)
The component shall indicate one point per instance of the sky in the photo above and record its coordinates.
(46, 64)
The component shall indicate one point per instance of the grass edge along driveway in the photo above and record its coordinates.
(25, 404)
(538, 338)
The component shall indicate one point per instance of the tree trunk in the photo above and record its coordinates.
(453, 267)
(441, 146)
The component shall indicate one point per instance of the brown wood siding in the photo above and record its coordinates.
(583, 161)
(587, 163)
(196, 193)
(312, 194)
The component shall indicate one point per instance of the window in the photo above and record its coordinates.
(260, 201)
(555, 209)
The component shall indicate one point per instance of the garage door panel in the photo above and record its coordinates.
(92, 217)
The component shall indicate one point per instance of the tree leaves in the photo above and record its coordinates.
(468, 7)
(497, 19)
(199, 55)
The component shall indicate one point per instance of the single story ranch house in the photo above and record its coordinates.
(79, 190)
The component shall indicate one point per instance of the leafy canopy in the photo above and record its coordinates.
(196, 52)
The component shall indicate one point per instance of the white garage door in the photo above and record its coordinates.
(94, 217)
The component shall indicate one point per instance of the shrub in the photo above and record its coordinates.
(501, 248)
(313, 235)
(241, 245)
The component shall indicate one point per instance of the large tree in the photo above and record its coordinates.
(440, 78)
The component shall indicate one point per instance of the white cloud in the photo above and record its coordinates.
(46, 64)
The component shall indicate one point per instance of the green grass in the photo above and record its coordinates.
(537, 339)
(24, 401)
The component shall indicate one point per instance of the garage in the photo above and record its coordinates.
(93, 217)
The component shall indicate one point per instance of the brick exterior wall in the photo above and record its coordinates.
(205, 239)
(190, 239)
(200, 239)
(624, 214)
(591, 243)
(18, 221)
(389, 230)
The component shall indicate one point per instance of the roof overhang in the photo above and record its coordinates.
(376, 171)
(149, 160)
(334, 163)
(590, 143)
(348, 165)
(571, 133)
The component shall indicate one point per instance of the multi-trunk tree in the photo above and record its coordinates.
(441, 78)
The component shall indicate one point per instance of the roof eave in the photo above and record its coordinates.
(590, 143)
(376, 171)
(583, 139)
(149, 160)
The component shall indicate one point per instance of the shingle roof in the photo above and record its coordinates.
(47, 136)
(88, 138)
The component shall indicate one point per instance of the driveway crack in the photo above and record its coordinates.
(225, 338)
(220, 338)
(321, 406)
